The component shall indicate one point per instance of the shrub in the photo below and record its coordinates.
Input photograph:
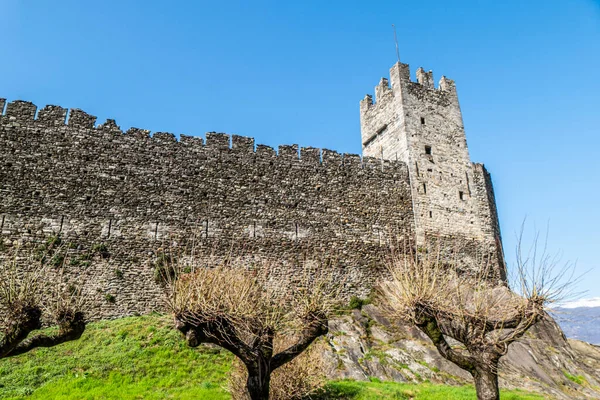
(53, 241)
(356, 303)
(101, 249)
(165, 268)
(57, 260)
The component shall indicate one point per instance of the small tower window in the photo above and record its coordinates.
(461, 195)
(428, 150)
(422, 120)
(430, 214)
(424, 188)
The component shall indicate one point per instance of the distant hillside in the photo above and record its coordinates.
(581, 323)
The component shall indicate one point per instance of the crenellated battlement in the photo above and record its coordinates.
(22, 111)
(53, 115)
(26, 113)
(80, 119)
(400, 78)
(425, 78)
(382, 90)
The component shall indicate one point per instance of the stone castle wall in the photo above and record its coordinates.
(136, 194)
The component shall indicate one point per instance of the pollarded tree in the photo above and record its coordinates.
(30, 297)
(485, 318)
(229, 307)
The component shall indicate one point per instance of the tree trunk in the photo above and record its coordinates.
(486, 383)
(259, 380)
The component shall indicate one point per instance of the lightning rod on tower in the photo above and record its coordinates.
(396, 41)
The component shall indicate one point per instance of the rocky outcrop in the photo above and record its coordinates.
(365, 344)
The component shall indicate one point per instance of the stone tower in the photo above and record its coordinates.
(422, 125)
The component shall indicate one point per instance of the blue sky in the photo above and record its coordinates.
(294, 72)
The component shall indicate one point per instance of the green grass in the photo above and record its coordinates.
(578, 379)
(130, 358)
(374, 390)
(144, 358)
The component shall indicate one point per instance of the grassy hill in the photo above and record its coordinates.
(144, 358)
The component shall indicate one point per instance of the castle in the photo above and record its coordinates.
(134, 193)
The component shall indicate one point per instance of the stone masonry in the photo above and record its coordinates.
(422, 126)
(137, 195)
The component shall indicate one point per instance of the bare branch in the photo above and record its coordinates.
(23, 320)
(316, 326)
(430, 327)
(220, 332)
(70, 329)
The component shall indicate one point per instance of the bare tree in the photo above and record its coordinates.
(31, 294)
(485, 318)
(229, 307)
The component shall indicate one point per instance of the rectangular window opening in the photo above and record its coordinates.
(430, 214)
(461, 195)
(428, 150)
(422, 120)
(424, 189)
